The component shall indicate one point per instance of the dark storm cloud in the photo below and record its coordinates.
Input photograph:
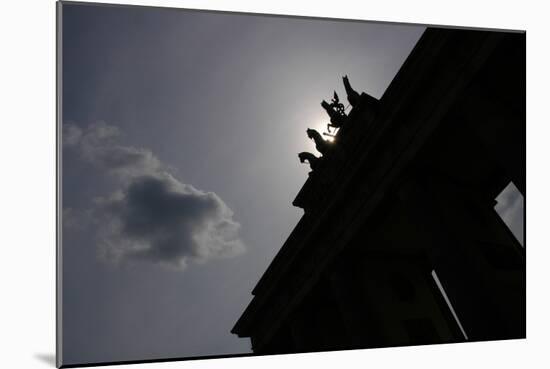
(159, 219)
(153, 217)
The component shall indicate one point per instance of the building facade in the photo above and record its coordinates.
(400, 243)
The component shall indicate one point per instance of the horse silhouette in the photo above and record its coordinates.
(322, 145)
(313, 160)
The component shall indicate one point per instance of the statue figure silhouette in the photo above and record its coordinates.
(337, 105)
(336, 112)
(322, 145)
(353, 96)
(313, 160)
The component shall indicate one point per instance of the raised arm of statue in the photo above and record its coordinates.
(353, 96)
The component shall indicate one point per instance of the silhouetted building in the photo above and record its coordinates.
(401, 208)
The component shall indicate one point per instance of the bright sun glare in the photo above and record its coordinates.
(321, 127)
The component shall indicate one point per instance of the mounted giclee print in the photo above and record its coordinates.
(239, 184)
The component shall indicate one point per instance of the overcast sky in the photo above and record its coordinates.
(180, 138)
